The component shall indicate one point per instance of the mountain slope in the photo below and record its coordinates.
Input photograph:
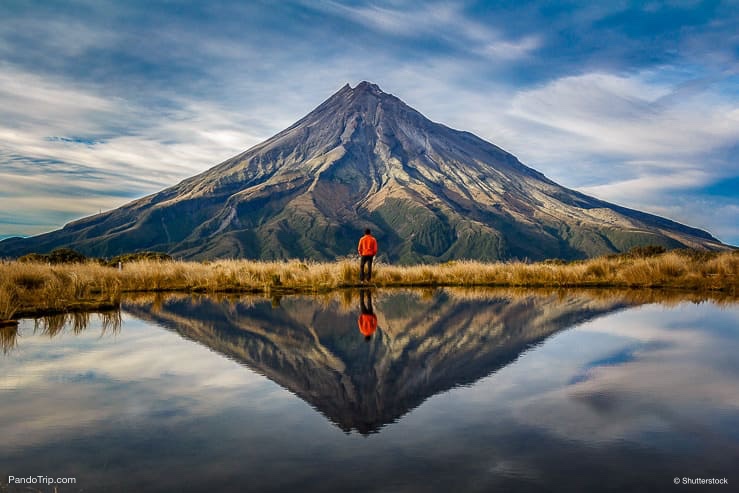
(363, 158)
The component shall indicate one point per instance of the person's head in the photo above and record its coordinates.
(367, 231)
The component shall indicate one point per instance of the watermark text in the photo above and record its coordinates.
(40, 480)
(700, 481)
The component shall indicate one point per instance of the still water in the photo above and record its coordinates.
(389, 391)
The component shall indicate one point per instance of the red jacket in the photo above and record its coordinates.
(367, 245)
(367, 323)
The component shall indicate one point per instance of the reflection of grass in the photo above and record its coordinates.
(33, 288)
(667, 297)
(8, 338)
(77, 322)
(53, 325)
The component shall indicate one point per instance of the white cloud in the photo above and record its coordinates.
(57, 36)
(512, 49)
(44, 118)
(437, 20)
(31, 102)
(636, 189)
(68, 148)
(626, 116)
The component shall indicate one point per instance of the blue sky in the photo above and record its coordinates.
(102, 102)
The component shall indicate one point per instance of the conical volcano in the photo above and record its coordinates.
(363, 158)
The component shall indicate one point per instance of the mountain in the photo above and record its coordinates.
(363, 158)
(423, 345)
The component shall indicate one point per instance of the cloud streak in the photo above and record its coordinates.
(438, 22)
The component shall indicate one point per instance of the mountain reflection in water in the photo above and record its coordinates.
(617, 400)
(362, 373)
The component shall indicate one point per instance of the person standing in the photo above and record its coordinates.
(367, 250)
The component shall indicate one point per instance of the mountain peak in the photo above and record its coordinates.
(364, 95)
(366, 86)
(361, 91)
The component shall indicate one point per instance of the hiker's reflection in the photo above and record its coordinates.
(367, 319)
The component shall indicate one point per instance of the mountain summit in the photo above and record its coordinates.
(364, 158)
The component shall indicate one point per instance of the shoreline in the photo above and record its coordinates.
(655, 293)
(650, 294)
(37, 289)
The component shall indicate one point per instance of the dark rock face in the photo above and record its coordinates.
(363, 158)
(422, 346)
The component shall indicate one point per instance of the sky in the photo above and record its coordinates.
(633, 102)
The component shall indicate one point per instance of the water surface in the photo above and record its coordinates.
(453, 391)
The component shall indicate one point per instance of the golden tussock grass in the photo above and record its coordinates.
(33, 288)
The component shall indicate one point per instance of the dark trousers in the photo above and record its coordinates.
(366, 260)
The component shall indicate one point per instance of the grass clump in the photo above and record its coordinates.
(28, 288)
(135, 257)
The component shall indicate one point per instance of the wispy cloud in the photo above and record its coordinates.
(73, 151)
(437, 21)
(626, 115)
(517, 49)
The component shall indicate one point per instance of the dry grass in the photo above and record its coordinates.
(28, 288)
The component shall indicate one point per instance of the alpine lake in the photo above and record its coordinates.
(441, 390)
